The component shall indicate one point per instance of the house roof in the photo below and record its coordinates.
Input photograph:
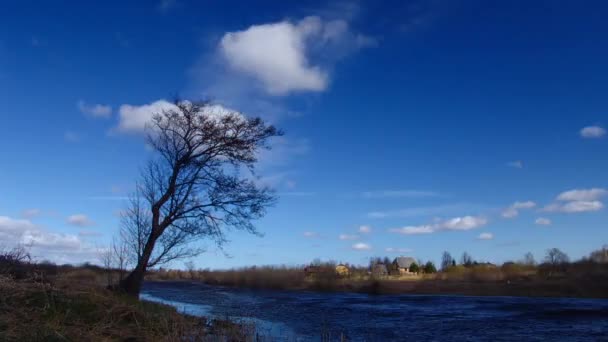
(404, 262)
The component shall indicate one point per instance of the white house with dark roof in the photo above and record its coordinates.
(403, 264)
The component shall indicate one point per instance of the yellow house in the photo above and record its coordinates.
(342, 270)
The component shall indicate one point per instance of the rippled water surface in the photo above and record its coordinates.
(304, 316)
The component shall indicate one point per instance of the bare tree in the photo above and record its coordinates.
(191, 269)
(120, 254)
(466, 259)
(529, 259)
(195, 188)
(556, 257)
(446, 261)
(106, 258)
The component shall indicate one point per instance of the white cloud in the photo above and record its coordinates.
(135, 119)
(95, 110)
(79, 220)
(43, 244)
(542, 221)
(464, 223)
(524, 205)
(456, 223)
(398, 250)
(592, 194)
(361, 246)
(518, 164)
(578, 201)
(365, 229)
(513, 210)
(593, 132)
(439, 210)
(574, 207)
(279, 54)
(398, 193)
(310, 234)
(31, 213)
(348, 237)
(485, 236)
(414, 230)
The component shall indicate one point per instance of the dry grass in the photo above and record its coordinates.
(72, 305)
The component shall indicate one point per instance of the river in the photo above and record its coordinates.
(305, 316)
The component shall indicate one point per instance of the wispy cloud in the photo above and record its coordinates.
(310, 234)
(398, 194)
(398, 250)
(513, 209)
(457, 223)
(95, 110)
(592, 132)
(361, 246)
(485, 236)
(348, 237)
(542, 221)
(439, 210)
(518, 164)
(31, 213)
(71, 137)
(365, 229)
(79, 220)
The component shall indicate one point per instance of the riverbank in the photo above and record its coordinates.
(580, 279)
(73, 306)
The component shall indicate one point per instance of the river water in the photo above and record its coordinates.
(306, 316)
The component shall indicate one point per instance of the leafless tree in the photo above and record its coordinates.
(107, 261)
(529, 259)
(195, 188)
(191, 269)
(120, 254)
(555, 256)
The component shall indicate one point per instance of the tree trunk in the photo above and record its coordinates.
(132, 283)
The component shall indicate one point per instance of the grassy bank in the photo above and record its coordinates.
(45, 303)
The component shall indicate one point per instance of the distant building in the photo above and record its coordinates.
(342, 270)
(403, 264)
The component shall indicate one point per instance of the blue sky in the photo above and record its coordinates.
(462, 126)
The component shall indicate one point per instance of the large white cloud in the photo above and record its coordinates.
(44, 244)
(591, 132)
(279, 54)
(578, 201)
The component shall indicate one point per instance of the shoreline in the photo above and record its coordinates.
(438, 287)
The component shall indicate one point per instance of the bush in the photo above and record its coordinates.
(414, 268)
(429, 267)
